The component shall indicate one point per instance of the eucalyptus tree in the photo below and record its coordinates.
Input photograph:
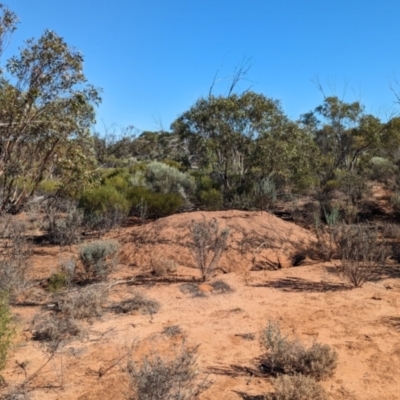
(242, 136)
(46, 111)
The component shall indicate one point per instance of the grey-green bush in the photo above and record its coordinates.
(98, 258)
(297, 387)
(163, 178)
(292, 357)
(162, 378)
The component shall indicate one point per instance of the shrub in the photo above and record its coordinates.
(172, 330)
(57, 282)
(297, 387)
(211, 199)
(53, 329)
(265, 194)
(208, 244)
(160, 378)
(6, 330)
(163, 178)
(104, 207)
(84, 303)
(138, 303)
(361, 252)
(98, 258)
(161, 266)
(291, 357)
(14, 257)
(157, 204)
(64, 230)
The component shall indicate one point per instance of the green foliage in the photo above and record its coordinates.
(49, 186)
(47, 110)
(211, 199)
(102, 200)
(157, 204)
(98, 258)
(57, 282)
(162, 178)
(104, 207)
(265, 193)
(241, 136)
(6, 329)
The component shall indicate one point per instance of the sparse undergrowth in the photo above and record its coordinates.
(296, 387)
(292, 357)
(159, 377)
(208, 244)
(139, 303)
(84, 303)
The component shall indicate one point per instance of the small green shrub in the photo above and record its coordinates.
(49, 186)
(265, 194)
(6, 330)
(158, 204)
(291, 357)
(57, 282)
(211, 199)
(104, 207)
(297, 387)
(98, 258)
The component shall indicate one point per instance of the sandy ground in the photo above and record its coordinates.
(310, 301)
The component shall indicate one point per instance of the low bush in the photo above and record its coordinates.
(98, 258)
(104, 208)
(161, 378)
(211, 199)
(163, 178)
(172, 330)
(138, 303)
(161, 266)
(292, 357)
(54, 329)
(64, 229)
(297, 387)
(84, 303)
(157, 204)
(57, 281)
(15, 252)
(361, 252)
(208, 244)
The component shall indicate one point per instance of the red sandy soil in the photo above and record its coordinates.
(310, 302)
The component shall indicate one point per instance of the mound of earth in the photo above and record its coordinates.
(257, 241)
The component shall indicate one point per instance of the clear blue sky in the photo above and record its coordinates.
(155, 58)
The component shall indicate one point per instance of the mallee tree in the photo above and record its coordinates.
(46, 111)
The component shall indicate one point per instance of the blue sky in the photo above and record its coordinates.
(155, 58)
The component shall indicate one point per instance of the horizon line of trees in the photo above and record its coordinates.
(239, 150)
